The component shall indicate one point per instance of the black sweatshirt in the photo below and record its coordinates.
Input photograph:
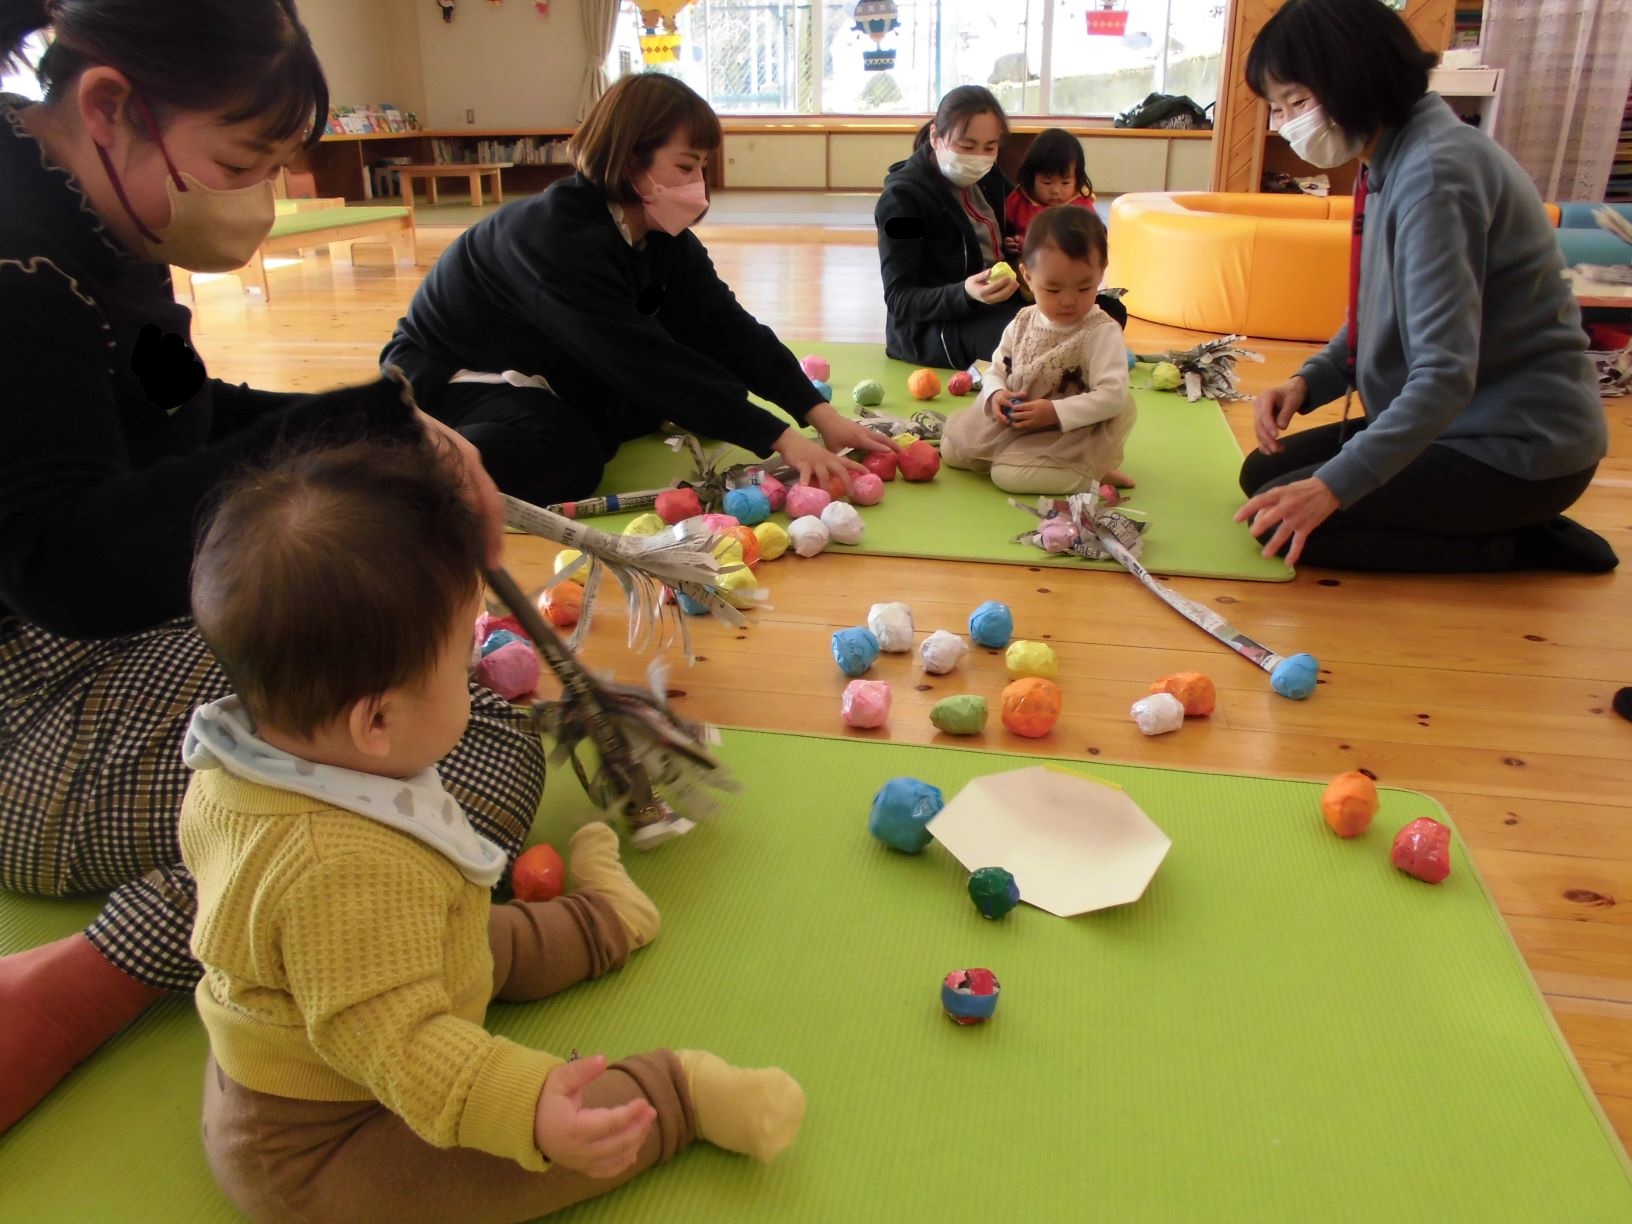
(927, 248)
(111, 436)
(550, 286)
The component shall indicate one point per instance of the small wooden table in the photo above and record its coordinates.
(474, 171)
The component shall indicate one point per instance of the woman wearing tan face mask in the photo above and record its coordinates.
(150, 149)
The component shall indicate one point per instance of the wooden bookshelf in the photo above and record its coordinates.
(342, 164)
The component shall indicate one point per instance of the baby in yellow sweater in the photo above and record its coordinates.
(344, 920)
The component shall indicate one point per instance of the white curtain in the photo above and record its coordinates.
(600, 19)
(1567, 68)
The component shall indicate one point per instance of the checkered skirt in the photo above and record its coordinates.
(91, 780)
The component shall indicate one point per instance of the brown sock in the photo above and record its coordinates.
(593, 858)
(58, 1004)
(753, 1111)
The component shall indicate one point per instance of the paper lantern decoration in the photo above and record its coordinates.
(1108, 20)
(659, 34)
(875, 18)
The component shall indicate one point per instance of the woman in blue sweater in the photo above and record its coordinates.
(1482, 420)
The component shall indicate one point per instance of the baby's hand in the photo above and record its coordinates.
(1034, 414)
(1000, 404)
(596, 1142)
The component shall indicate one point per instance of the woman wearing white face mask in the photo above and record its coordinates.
(150, 149)
(566, 324)
(940, 229)
(1482, 421)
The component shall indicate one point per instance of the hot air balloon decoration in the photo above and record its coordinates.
(659, 35)
(876, 18)
(1108, 19)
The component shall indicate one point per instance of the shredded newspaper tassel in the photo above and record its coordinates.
(1079, 519)
(926, 423)
(1208, 369)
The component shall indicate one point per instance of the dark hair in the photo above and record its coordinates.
(1055, 151)
(631, 122)
(334, 574)
(1358, 58)
(957, 109)
(248, 59)
(1073, 232)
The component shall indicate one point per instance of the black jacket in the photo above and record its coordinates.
(548, 285)
(926, 249)
(112, 438)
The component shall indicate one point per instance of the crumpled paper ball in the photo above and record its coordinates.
(644, 525)
(738, 588)
(940, 652)
(1423, 849)
(748, 505)
(1158, 714)
(1030, 659)
(991, 625)
(807, 535)
(901, 813)
(1001, 270)
(823, 388)
(843, 522)
(775, 491)
(728, 550)
(748, 542)
(571, 558)
(1059, 535)
(854, 650)
(837, 488)
(563, 604)
(969, 996)
(1031, 706)
(1196, 691)
(500, 637)
(993, 891)
(1296, 677)
(1166, 377)
(677, 505)
(511, 671)
(717, 523)
(919, 462)
(487, 625)
(1348, 803)
(869, 393)
(880, 463)
(923, 384)
(891, 624)
(816, 367)
(690, 606)
(866, 489)
(960, 383)
(806, 500)
(866, 703)
(773, 540)
(964, 714)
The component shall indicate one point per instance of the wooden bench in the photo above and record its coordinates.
(300, 227)
(474, 171)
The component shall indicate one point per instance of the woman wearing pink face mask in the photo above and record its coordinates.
(161, 129)
(566, 324)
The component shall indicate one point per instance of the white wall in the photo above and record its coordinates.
(370, 50)
(512, 67)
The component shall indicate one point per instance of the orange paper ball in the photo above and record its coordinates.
(750, 544)
(1349, 803)
(1195, 690)
(837, 489)
(562, 604)
(1031, 706)
(923, 384)
(538, 874)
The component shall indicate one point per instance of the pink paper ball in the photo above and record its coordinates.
(511, 671)
(719, 524)
(866, 490)
(807, 499)
(866, 703)
(1059, 535)
(775, 491)
(817, 367)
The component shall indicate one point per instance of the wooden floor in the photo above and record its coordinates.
(1490, 694)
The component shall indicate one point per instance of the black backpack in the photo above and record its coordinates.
(1160, 110)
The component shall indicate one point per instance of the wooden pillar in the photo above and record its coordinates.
(1241, 119)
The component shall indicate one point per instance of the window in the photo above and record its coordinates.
(20, 79)
(757, 57)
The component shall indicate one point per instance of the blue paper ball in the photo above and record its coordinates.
(824, 389)
(1132, 360)
(901, 813)
(855, 650)
(690, 606)
(498, 638)
(1296, 677)
(748, 505)
(991, 625)
(970, 996)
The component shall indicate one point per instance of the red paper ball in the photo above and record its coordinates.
(677, 505)
(880, 463)
(538, 874)
(919, 462)
(960, 383)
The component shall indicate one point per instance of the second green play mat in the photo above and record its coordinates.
(1183, 456)
(1283, 1029)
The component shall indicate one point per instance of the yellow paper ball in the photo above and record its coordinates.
(568, 558)
(1031, 659)
(773, 540)
(645, 525)
(736, 587)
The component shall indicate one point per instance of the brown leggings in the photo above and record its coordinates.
(285, 1160)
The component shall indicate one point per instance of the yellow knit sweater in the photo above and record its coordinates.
(346, 961)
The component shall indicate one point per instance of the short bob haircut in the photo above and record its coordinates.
(1357, 57)
(1074, 232)
(631, 122)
